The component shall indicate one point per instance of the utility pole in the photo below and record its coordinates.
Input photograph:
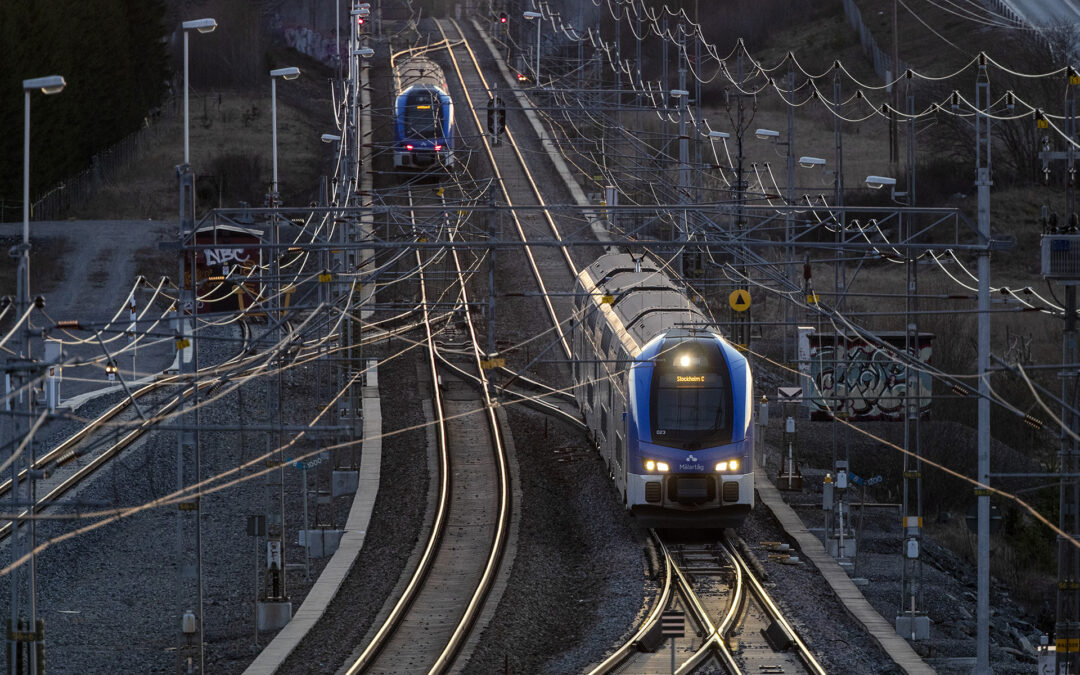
(684, 157)
(1067, 622)
(894, 141)
(982, 182)
(189, 654)
(789, 251)
(911, 623)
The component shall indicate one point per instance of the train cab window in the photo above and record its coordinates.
(423, 114)
(691, 403)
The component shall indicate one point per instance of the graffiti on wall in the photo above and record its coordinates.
(858, 381)
(311, 42)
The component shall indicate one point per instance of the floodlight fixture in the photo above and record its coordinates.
(286, 73)
(811, 162)
(201, 25)
(766, 134)
(878, 182)
(51, 84)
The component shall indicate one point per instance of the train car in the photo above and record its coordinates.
(667, 399)
(423, 115)
(225, 267)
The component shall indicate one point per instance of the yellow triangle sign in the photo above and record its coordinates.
(739, 300)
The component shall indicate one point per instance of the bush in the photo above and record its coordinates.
(234, 177)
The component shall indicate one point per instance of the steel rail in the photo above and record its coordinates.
(65, 450)
(623, 653)
(770, 607)
(103, 457)
(498, 545)
(502, 185)
(397, 613)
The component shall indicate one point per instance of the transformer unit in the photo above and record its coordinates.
(1061, 256)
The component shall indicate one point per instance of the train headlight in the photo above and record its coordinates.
(653, 466)
(685, 360)
(730, 465)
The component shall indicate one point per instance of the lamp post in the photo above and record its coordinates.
(285, 74)
(52, 84)
(530, 16)
(203, 26)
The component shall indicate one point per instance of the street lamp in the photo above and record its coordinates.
(285, 74)
(330, 138)
(203, 26)
(878, 182)
(530, 16)
(365, 52)
(810, 162)
(766, 134)
(53, 84)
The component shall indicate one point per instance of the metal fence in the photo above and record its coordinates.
(77, 190)
(882, 61)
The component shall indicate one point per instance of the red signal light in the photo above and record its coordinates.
(502, 17)
(409, 146)
(360, 21)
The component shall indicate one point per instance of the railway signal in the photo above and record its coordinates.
(496, 118)
(503, 19)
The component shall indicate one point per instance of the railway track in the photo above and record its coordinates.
(552, 269)
(428, 624)
(57, 473)
(731, 623)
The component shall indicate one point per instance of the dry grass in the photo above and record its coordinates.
(225, 126)
(44, 276)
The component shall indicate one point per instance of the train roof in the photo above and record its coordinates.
(644, 300)
(418, 71)
(230, 229)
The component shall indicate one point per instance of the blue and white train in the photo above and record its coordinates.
(423, 115)
(667, 399)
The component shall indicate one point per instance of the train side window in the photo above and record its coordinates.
(620, 459)
(589, 392)
(605, 342)
(604, 421)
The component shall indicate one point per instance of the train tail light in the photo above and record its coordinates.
(409, 146)
(438, 147)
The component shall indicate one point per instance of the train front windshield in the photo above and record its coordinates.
(423, 115)
(691, 402)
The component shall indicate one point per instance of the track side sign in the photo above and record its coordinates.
(739, 300)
